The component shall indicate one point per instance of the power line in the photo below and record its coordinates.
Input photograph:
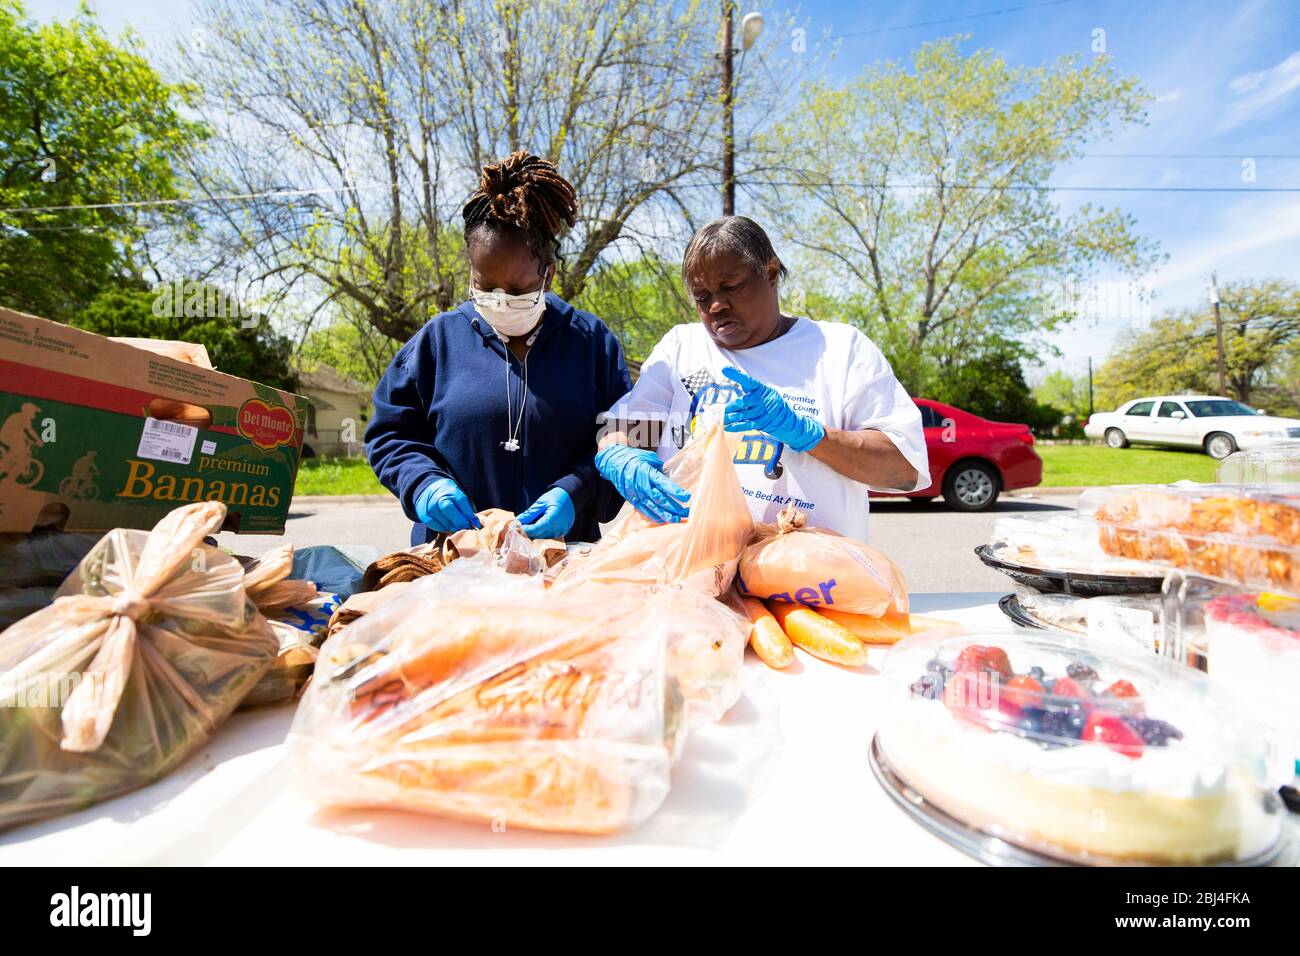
(1007, 187)
(996, 187)
(1027, 187)
(1244, 154)
(957, 19)
(230, 197)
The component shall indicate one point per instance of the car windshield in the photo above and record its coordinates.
(1218, 407)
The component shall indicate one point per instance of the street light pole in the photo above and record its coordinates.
(1218, 331)
(751, 25)
(728, 115)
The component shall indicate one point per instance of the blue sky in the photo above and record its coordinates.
(1225, 75)
(1226, 82)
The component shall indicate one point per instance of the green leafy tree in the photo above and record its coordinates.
(639, 300)
(925, 187)
(82, 121)
(1067, 392)
(991, 384)
(257, 352)
(1178, 352)
(351, 346)
(391, 109)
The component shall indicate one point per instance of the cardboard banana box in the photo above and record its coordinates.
(97, 434)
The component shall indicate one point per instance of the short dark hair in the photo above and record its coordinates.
(731, 236)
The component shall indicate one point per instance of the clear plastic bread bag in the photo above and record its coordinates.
(112, 686)
(483, 696)
(700, 552)
(795, 564)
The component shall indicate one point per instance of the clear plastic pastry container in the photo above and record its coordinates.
(1252, 645)
(1059, 541)
(1129, 620)
(1240, 534)
(1053, 748)
(1278, 463)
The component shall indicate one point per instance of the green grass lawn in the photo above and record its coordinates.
(337, 476)
(1065, 465)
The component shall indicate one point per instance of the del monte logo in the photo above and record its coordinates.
(266, 426)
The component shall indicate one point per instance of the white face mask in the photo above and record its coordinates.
(510, 315)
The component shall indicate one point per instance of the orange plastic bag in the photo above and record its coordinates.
(700, 553)
(791, 563)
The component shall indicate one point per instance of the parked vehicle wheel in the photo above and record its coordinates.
(970, 486)
(1219, 445)
(1116, 438)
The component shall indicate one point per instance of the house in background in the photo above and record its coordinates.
(337, 411)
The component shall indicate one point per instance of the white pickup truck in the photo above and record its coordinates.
(1219, 426)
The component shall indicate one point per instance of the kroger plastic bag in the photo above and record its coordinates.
(111, 687)
(700, 552)
(795, 564)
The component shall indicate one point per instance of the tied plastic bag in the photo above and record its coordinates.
(791, 563)
(500, 701)
(700, 552)
(109, 688)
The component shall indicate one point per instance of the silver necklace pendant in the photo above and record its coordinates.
(511, 445)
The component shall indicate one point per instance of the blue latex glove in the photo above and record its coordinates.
(638, 474)
(550, 516)
(442, 506)
(762, 409)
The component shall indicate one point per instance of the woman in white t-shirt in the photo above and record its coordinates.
(822, 415)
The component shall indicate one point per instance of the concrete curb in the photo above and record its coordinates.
(315, 501)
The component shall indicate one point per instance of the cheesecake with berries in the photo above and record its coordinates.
(1070, 758)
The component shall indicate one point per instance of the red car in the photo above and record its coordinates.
(973, 459)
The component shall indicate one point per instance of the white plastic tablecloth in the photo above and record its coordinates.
(782, 779)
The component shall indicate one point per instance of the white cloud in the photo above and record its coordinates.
(1173, 96)
(1256, 230)
(1261, 92)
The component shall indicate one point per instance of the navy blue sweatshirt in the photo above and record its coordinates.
(440, 412)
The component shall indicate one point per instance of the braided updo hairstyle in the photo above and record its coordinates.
(523, 196)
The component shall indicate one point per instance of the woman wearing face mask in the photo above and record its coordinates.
(494, 404)
(821, 416)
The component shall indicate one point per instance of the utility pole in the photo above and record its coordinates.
(728, 115)
(1090, 386)
(1218, 331)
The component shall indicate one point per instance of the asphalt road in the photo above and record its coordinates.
(931, 544)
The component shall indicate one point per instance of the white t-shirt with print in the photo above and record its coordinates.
(828, 370)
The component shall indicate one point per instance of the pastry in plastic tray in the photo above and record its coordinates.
(1242, 534)
(1082, 755)
(1139, 614)
(1253, 643)
(1058, 541)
